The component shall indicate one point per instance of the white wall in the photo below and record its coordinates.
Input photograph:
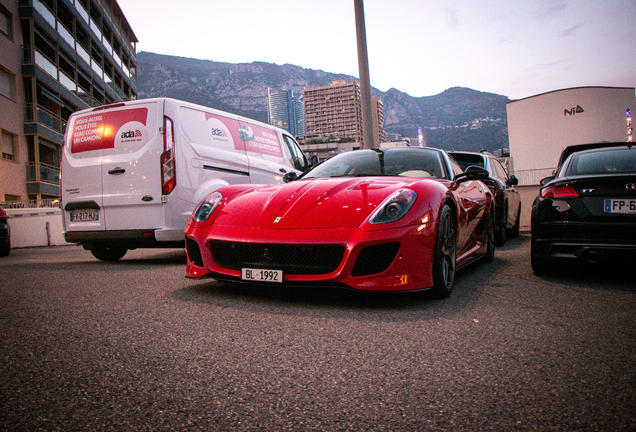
(539, 126)
(36, 227)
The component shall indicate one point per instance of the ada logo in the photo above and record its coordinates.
(218, 132)
(573, 111)
(131, 134)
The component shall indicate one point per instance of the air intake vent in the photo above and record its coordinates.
(375, 259)
(194, 253)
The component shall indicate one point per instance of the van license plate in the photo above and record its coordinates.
(261, 275)
(84, 215)
(625, 206)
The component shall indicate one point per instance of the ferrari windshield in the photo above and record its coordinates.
(404, 162)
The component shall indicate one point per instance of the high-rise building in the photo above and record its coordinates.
(334, 111)
(378, 119)
(286, 111)
(58, 56)
(299, 112)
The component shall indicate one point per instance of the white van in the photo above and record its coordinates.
(133, 172)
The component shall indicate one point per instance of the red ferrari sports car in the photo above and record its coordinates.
(396, 219)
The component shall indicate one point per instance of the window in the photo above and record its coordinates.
(9, 146)
(5, 23)
(296, 156)
(7, 84)
(499, 171)
(10, 197)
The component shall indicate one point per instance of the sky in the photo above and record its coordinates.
(515, 48)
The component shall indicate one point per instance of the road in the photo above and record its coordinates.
(134, 345)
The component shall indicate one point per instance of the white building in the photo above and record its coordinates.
(540, 126)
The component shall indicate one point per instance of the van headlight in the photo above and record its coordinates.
(206, 207)
(394, 208)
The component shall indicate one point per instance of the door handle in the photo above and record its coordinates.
(117, 171)
(283, 170)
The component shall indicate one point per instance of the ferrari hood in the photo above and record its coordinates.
(309, 204)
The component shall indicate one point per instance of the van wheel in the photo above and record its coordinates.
(108, 252)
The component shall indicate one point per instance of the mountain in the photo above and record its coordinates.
(458, 118)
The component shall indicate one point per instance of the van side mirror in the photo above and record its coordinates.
(513, 181)
(472, 173)
(290, 176)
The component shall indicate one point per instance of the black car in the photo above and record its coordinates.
(5, 234)
(587, 210)
(502, 186)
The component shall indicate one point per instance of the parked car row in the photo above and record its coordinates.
(255, 210)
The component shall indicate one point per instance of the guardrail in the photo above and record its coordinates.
(532, 177)
(25, 204)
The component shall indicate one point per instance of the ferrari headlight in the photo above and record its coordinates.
(206, 207)
(394, 208)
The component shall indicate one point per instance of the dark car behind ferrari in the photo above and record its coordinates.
(587, 211)
(502, 185)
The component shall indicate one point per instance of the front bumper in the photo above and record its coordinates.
(410, 270)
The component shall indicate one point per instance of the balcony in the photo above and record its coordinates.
(47, 173)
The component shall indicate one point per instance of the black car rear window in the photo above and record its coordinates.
(603, 162)
(465, 160)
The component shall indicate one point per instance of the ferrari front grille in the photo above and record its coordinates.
(291, 259)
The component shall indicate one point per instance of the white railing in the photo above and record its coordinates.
(43, 203)
(533, 176)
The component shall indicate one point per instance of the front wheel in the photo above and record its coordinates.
(500, 234)
(445, 254)
(514, 231)
(108, 252)
(490, 238)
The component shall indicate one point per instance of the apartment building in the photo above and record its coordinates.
(378, 119)
(334, 112)
(57, 56)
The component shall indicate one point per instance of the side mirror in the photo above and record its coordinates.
(314, 161)
(513, 181)
(290, 176)
(546, 180)
(472, 173)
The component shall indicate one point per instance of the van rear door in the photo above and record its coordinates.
(82, 174)
(113, 159)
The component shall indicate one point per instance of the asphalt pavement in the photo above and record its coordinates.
(135, 346)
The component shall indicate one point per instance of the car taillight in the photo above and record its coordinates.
(559, 192)
(168, 172)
